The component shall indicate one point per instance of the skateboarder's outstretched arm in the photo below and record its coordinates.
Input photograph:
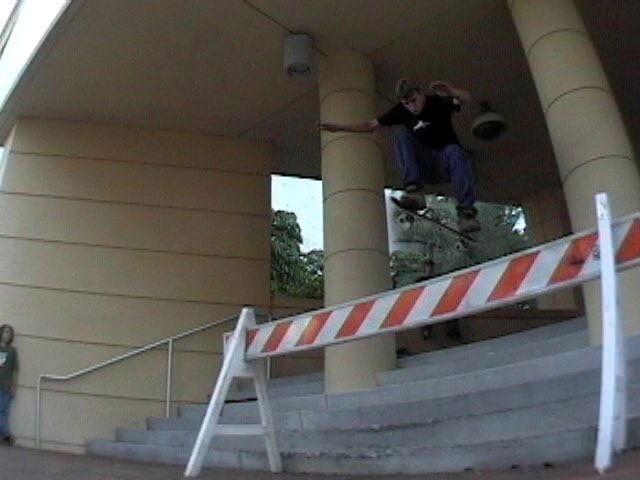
(364, 127)
(443, 88)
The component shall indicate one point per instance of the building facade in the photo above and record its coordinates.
(141, 136)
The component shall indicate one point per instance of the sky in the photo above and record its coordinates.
(33, 22)
(304, 198)
(5, 9)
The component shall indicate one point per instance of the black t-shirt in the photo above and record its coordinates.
(432, 126)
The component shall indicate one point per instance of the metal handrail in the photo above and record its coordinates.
(120, 358)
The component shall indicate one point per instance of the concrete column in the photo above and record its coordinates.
(355, 233)
(589, 139)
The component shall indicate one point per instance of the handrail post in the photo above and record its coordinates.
(38, 411)
(167, 410)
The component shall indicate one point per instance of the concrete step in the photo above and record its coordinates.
(506, 404)
(467, 428)
(527, 449)
(564, 363)
(283, 420)
(292, 380)
(552, 338)
(414, 413)
(486, 359)
(187, 438)
(508, 341)
(305, 386)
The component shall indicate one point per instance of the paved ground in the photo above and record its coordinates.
(22, 464)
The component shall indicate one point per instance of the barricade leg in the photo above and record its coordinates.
(612, 418)
(266, 415)
(235, 366)
(620, 431)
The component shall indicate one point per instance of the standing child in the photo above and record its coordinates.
(8, 376)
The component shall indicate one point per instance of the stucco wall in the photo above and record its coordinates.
(114, 237)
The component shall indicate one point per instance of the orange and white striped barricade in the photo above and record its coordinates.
(540, 270)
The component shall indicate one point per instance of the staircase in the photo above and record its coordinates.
(527, 398)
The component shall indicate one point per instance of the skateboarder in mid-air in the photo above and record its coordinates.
(426, 148)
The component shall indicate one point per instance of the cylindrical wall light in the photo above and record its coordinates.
(298, 55)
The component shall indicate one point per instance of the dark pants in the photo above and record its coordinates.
(5, 401)
(420, 164)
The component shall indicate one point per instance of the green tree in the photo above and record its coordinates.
(312, 284)
(298, 274)
(293, 272)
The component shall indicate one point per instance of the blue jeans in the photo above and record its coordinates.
(420, 164)
(5, 401)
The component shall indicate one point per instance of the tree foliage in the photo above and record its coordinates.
(293, 272)
(299, 274)
(429, 243)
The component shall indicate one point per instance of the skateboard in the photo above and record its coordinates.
(428, 214)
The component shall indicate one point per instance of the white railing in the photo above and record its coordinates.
(169, 342)
(567, 262)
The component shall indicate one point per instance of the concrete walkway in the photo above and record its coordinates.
(23, 464)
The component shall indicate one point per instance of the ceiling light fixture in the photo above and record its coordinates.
(298, 55)
(488, 125)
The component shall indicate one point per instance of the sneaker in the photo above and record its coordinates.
(468, 224)
(402, 352)
(427, 332)
(467, 221)
(412, 201)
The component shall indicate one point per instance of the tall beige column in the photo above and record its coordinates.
(355, 232)
(589, 139)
